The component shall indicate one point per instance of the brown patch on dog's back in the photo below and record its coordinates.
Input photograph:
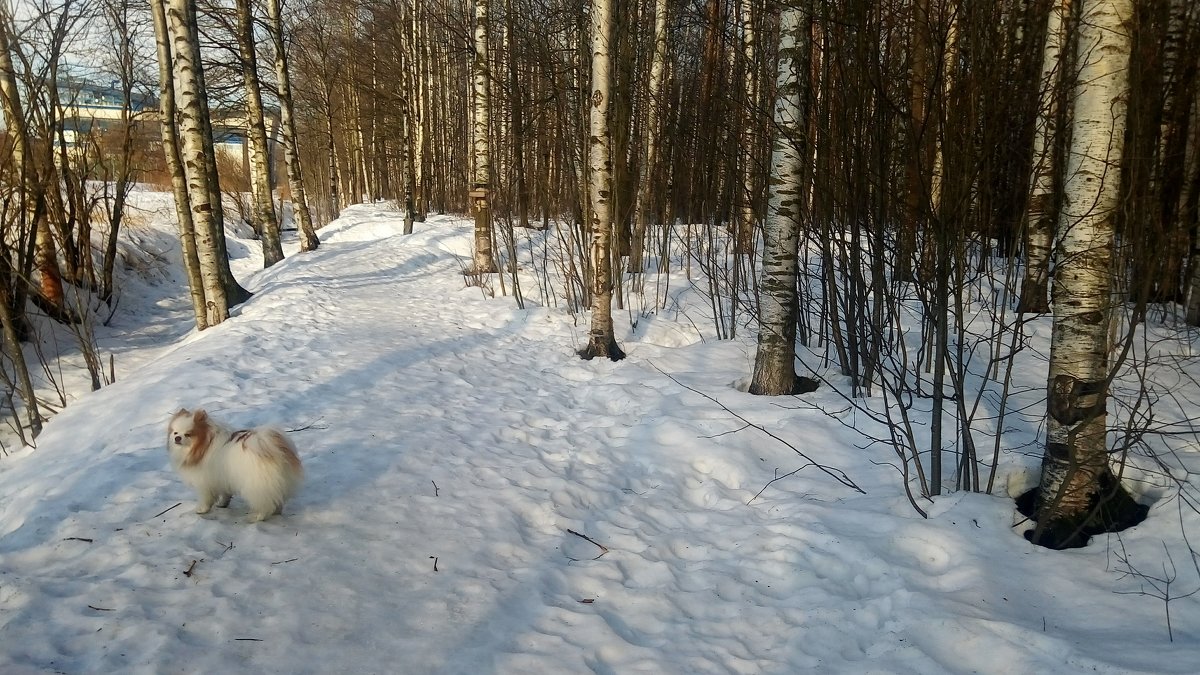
(286, 449)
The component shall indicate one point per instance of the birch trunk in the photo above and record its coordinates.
(1046, 169)
(234, 293)
(335, 179)
(406, 162)
(775, 359)
(260, 156)
(749, 149)
(1076, 479)
(644, 214)
(287, 121)
(484, 261)
(409, 128)
(601, 338)
(424, 81)
(171, 153)
(517, 119)
(181, 18)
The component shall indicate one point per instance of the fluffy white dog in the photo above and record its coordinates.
(259, 464)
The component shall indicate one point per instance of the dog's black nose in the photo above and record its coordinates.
(178, 439)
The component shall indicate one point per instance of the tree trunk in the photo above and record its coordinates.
(484, 261)
(517, 121)
(1041, 212)
(749, 140)
(644, 213)
(32, 194)
(775, 359)
(172, 155)
(260, 157)
(189, 96)
(287, 122)
(12, 305)
(422, 75)
(335, 180)
(1076, 478)
(601, 338)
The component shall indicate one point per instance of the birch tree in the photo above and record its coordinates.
(775, 359)
(287, 124)
(749, 156)
(644, 211)
(267, 223)
(1040, 213)
(194, 77)
(601, 338)
(171, 152)
(1077, 483)
(195, 134)
(484, 261)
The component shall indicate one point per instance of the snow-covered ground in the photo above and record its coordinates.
(480, 500)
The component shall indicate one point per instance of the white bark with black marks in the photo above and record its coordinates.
(287, 124)
(775, 359)
(602, 341)
(644, 215)
(1082, 299)
(267, 222)
(171, 152)
(484, 260)
(1040, 214)
(189, 96)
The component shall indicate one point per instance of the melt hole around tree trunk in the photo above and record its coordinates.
(1111, 509)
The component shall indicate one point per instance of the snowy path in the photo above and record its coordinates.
(456, 445)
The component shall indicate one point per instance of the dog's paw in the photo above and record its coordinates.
(203, 509)
(223, 502)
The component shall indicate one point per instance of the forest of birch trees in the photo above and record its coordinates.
(889, 190)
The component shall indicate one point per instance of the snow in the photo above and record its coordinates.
(480, 500)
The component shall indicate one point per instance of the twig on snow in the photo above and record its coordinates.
(593, 542)
(1152, 586)
(188, 571)
(776, 478)
(177, 504)
(315, 424)
(834, 473)
(84, 539)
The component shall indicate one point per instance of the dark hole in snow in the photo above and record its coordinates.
(1111, 509)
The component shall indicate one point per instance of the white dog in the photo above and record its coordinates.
(259, 464)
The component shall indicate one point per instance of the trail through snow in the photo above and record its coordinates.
(480, 500)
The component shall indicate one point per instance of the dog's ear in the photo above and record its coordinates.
(201, 438)
(183, 412)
